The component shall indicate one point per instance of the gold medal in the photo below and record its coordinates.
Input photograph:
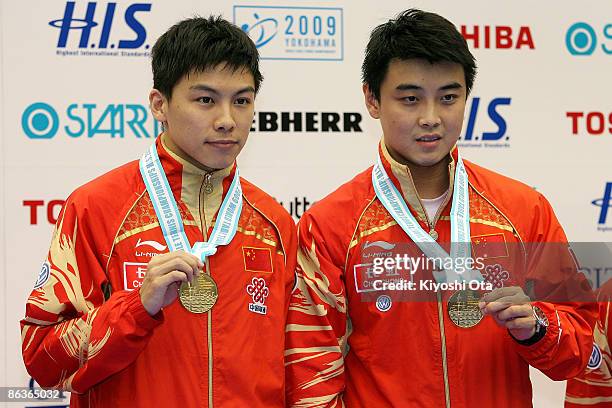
(463, 308)
(201, 295)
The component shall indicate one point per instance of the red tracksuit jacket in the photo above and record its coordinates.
(85, 328)
(345, 350)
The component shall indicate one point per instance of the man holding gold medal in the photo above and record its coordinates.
(103, 320)
(353, 338)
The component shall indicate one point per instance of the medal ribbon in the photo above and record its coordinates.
(169, 216)
(392, 200)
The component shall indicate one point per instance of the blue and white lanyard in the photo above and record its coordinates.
(169, 216)
(392, 200)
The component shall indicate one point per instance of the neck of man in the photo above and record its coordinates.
(429, 181)
(173, 147)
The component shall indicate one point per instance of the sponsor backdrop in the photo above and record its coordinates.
(76, 76)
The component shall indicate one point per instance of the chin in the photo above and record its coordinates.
(429, 162)
(220, 164)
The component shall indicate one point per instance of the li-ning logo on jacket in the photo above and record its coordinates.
(379, 244)
(153, 244)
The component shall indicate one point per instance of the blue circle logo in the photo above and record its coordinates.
(383, 303)
(595, 360)
(43, 276)
(581, 39)
(261, 32)
(40, 121)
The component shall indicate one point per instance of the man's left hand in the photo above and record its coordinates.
(511, 308)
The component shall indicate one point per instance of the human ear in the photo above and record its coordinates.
(158, 105)
(372, 104)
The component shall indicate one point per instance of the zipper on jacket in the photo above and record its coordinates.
(433, 223)
(208, 188)
(207, 183)
(444, 359)
(430, 223)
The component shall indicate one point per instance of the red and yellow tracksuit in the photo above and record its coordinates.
(86, 330)
(344, 350)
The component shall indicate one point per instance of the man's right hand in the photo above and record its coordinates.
(165, 274)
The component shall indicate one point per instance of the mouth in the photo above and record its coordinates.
(222, 143)
(428, 138)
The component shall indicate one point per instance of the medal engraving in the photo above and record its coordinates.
(200, 296)
(463, 308)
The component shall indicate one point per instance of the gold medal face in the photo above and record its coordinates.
(463, 308)
(201, 296)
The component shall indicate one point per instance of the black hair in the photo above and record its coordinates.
(198, 44)
(415, 34)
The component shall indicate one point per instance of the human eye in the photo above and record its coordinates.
(205, 100)
(449, 98)
(410, 99)
(242, 101)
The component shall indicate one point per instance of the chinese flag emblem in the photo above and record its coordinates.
(489, 246)
(257, 259)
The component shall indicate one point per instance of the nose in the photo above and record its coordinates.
(225, 120)
(429, 118)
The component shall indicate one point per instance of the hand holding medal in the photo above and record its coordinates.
(178, 266)
(165, 273)
(511, 308)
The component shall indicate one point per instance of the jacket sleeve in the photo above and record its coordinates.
(564, 296)
(290, 241)
(72, 337)
(592, 387)
(316, 325)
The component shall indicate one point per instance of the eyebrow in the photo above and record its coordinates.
(202, 87)
(413, 87)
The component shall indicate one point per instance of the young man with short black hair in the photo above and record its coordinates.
(353, 338)
(103, 320)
